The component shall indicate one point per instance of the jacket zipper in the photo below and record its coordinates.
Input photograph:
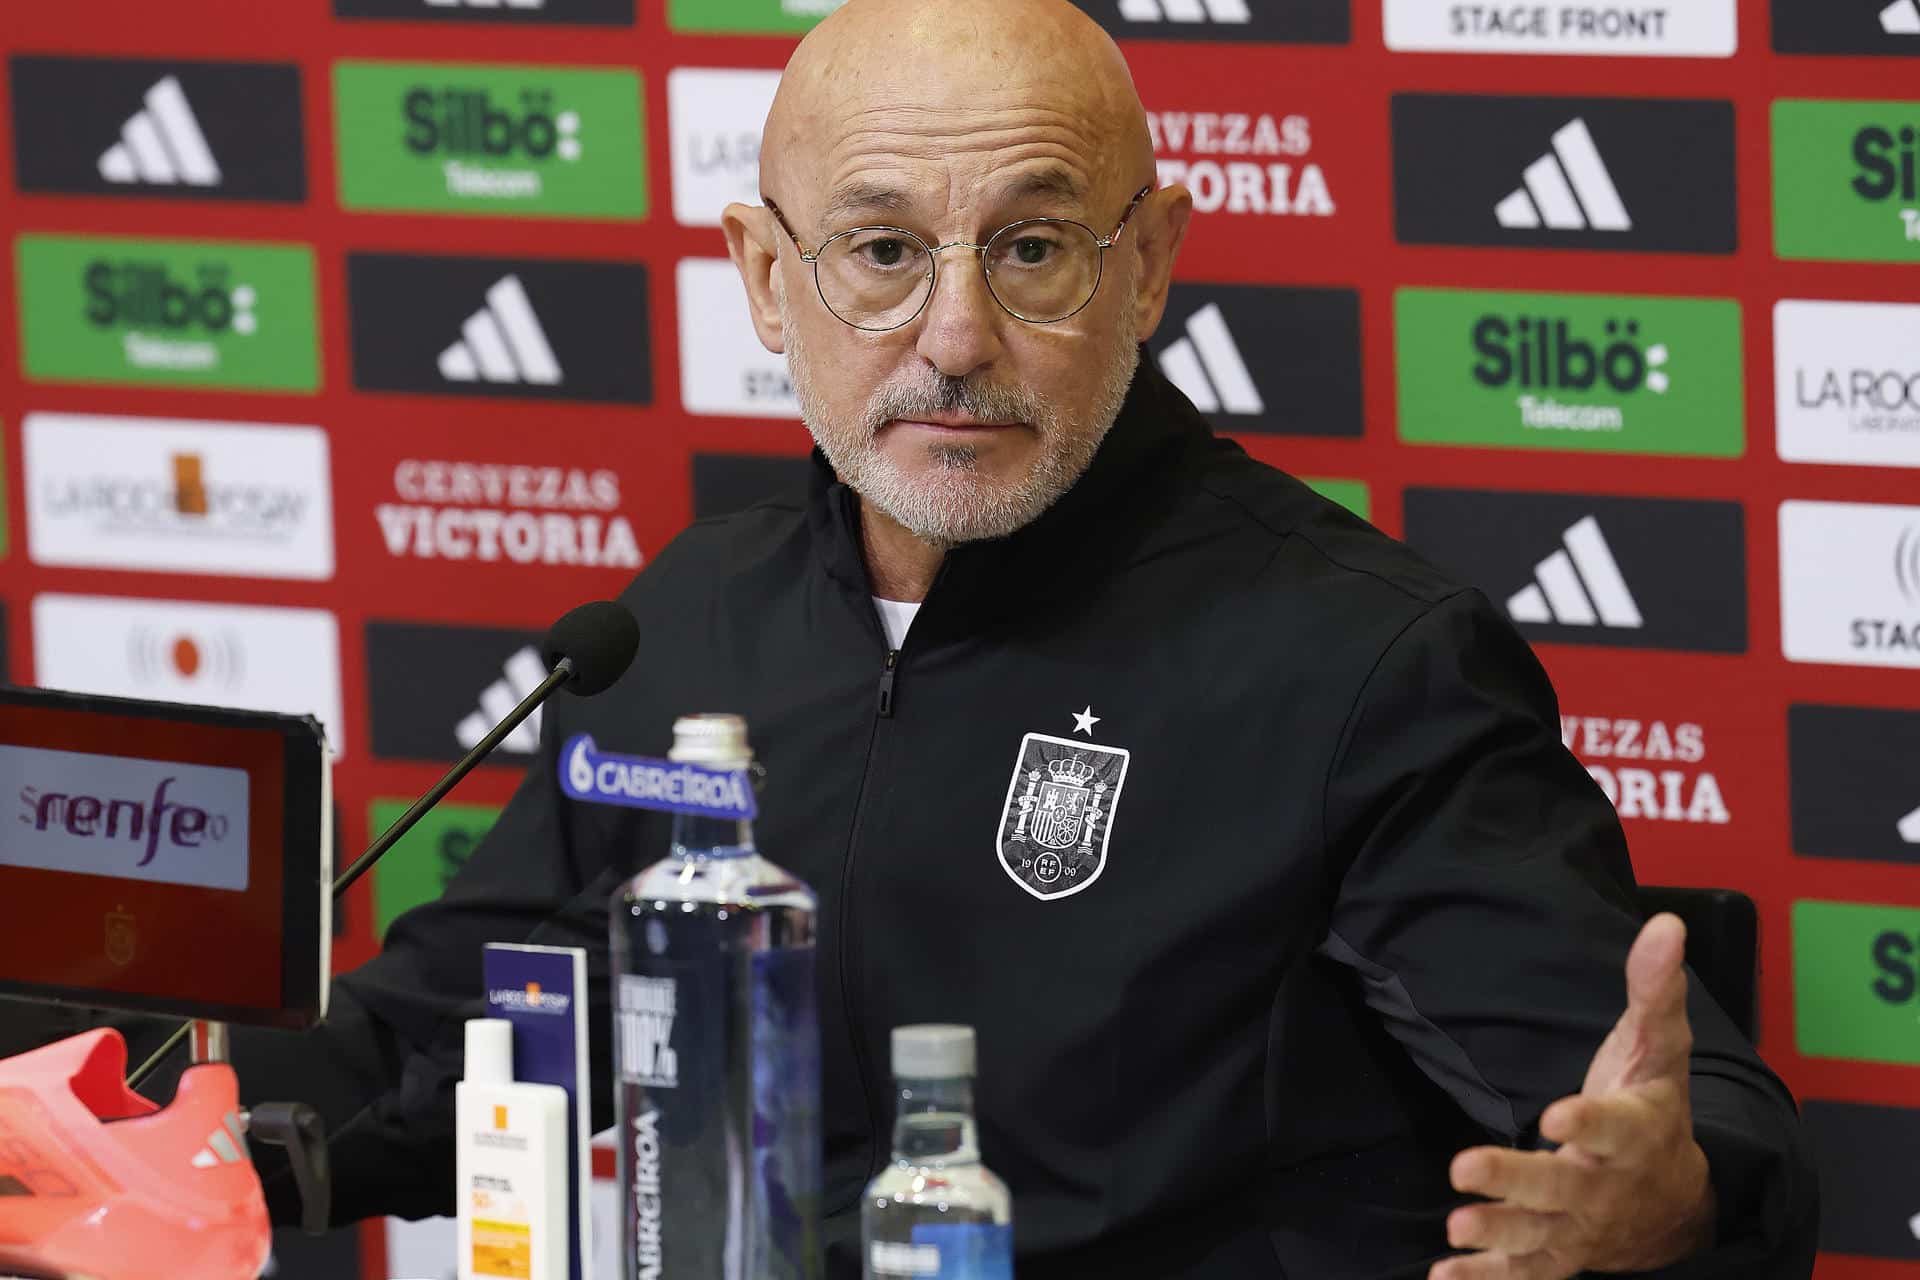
(861, 1070)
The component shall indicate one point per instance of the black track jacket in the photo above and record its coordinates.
(1351, 908)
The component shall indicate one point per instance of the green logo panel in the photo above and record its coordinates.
(187, 313)
(745, 17)
(1846, 181)
(1351, 494)
(450, 137)
(1856, 981)
(417, 869)
(1607, 374)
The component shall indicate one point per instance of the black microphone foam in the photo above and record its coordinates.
(601, 637)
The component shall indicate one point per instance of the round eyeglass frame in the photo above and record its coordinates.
(933, 259)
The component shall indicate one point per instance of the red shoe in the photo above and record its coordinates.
(98, 1182)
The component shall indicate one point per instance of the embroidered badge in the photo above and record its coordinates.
(1059, 813)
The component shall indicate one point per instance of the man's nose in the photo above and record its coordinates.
(960, 328)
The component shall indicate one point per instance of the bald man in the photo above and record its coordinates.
(1297, 944)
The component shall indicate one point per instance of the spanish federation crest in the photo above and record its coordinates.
(1058, 814)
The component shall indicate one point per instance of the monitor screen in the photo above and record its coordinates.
(164, 858)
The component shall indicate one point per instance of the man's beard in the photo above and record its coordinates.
(951, 502)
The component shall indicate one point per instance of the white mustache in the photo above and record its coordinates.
(986, 402)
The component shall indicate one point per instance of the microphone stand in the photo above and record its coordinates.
(561, 673)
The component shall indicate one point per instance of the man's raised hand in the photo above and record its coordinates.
(1627, 1190)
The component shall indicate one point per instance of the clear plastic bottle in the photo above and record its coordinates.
(716, 1050)
(936, 1211)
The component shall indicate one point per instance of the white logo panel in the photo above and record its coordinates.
(715, 117)
(152, 820)
(215, 655)
(1850, 583)
(723, 367)
(1847, 382)
(1694, 29)
(170, 495)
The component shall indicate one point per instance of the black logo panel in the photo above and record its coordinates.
(1254, 358)
(1868, 1201)
(586, 13)
(525, 328)
(1253, 21)
(1564, 173)
(435, 691)
(1637, 573)
(1847, 26)
(1855, 783)
(135, 127)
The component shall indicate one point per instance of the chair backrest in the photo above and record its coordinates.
(1723, 945)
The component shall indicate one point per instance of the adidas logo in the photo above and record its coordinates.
(1207, 367)
(1185, 11)
(1579, 585)
(162, 144)
(502, 342)
(225, 1145)
(523, 673)
(1567, 189)
(1909, 827)
(486, 4)
(1901, 18)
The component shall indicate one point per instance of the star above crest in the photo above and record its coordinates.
(1083, 721)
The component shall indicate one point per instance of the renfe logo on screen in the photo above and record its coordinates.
(153, 820)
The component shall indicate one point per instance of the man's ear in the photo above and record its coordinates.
(752, 241)
(1162, 220)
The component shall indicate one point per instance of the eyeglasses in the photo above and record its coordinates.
(1041, 270)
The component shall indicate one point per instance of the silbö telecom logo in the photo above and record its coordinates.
(1848, 186)
(185, 312)
(1540, 356)
(533, 140)
(167, 322)
(1622, 374)
(453, 123)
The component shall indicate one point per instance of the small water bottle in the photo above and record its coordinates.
(936, 1211)
(716, 1050)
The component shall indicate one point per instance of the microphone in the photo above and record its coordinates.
(589, 648)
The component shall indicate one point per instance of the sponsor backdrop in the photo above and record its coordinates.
(345, 343)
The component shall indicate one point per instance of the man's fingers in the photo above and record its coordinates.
(1608, 1126)
(1538, 1180)
(1502, 1227)
(1657, 999)
(1499, 1266)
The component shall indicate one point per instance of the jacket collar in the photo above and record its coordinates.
(1156, 429)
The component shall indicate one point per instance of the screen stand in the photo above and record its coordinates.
(210, 1042)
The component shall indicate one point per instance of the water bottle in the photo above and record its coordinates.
(716, 1050)
(936, 1211)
